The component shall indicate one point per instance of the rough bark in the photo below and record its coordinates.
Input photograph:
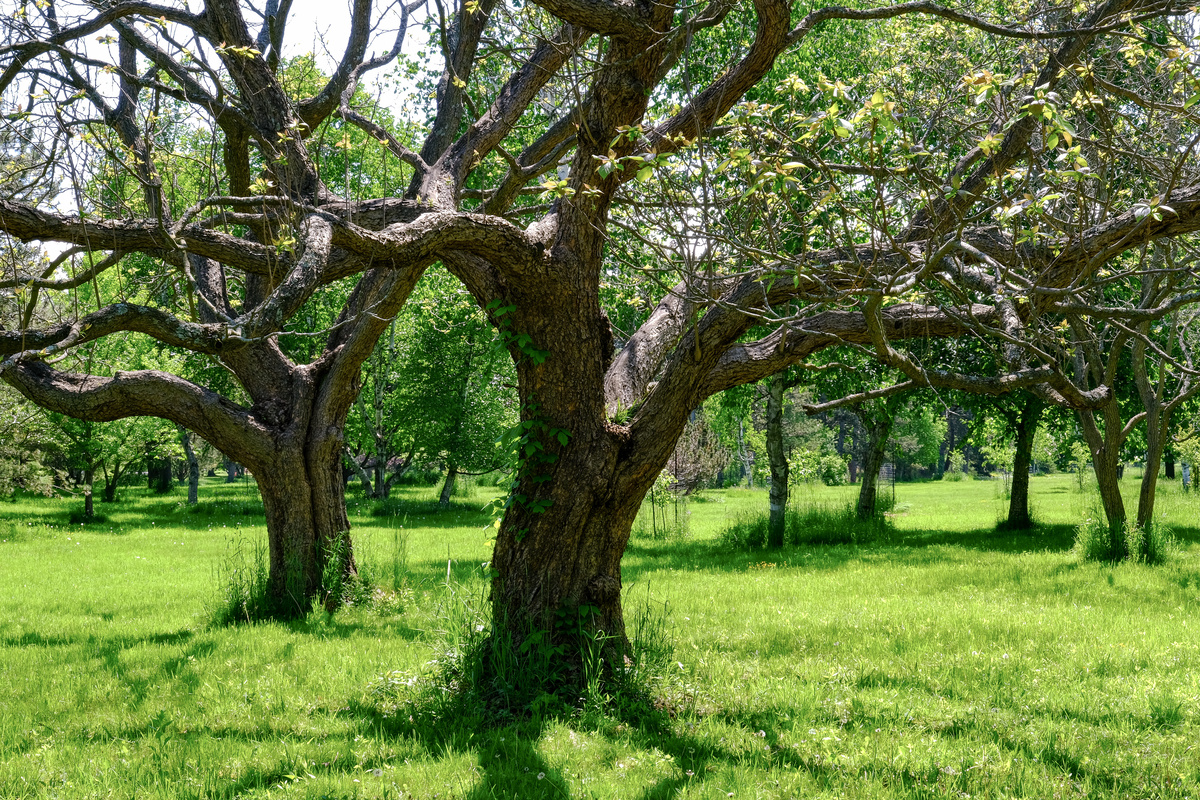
(1158, 422)
(1018, 501)
(777, 457)
(878, 431)
(307, 528)
(1105, 439)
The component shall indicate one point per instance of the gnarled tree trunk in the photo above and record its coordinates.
(307, 526)
(1105, 446)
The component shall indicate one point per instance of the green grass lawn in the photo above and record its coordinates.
(949, 661)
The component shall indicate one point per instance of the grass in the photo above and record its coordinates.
(951, 660)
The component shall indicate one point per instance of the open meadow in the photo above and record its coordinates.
(946, 660)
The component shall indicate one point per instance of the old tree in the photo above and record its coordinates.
(994, 188)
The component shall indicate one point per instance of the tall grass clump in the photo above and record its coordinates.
(382, 580)
(812, 524)
(241, 579)
(1096, 540)
(499, 673)
(1151, 544)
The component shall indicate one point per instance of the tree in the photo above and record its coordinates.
(23, 446)
(1013, 442)
(436, 389)
(614, 114)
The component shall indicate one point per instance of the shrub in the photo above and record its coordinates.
(810, 466)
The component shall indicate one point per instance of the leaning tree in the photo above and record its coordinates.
(557, 128)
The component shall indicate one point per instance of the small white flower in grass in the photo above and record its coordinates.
(541, 775)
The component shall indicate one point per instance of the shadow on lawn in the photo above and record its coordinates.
(510, 763)
(915, 548)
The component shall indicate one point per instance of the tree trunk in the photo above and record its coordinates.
(193, 467)
(778, 461)
(1105, 447)
(561, 566)
(745, 454)
(1018, 501)
(1169, 464)
(89, 510)
(112, 481)
(448, 486)
(307, 526)
(231, 475)
(878, 432)
(363, 476)
(1158, 423)
(158, 475)
(379, 475)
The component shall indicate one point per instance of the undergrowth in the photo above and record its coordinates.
(379, 582)
(1096, 540)
(496, 675)
(816, 523)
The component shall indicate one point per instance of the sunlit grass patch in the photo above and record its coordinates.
(950, 660)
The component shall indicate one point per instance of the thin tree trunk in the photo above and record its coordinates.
(379, 474)
(230, 471)
(448, 486)
(363, 476)
(778, 461)
(193, 467)
(1018, 501)
(1105, 448)
(1158, 422)
(89, 510)
(111, 482)
(879, 430)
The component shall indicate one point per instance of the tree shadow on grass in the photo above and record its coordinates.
(910, 547)
(1041, 538)
(338, 627)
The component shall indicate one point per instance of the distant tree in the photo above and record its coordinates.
(24, 446)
